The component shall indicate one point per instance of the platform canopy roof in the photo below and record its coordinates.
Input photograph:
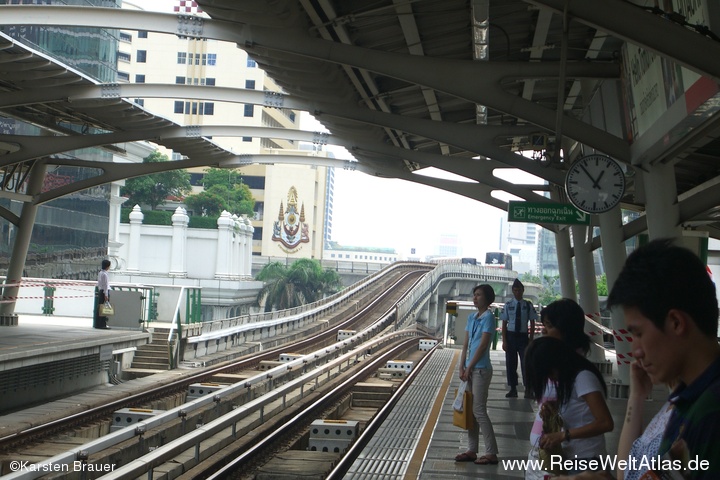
(460, 85)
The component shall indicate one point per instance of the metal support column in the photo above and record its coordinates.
(565, 265)
(615, 254)
(21, 246)
(661, 205)
(587, 286)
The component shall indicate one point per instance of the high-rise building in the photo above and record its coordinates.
(521, 243)
(78, 222)
(291, 201)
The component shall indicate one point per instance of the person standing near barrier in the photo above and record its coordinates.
(102, 295)
(476, 369)
(516, 316)
(563, 319)
(580, 392)
(671, 310)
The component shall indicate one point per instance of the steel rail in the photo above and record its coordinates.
(114, 438)
(279, 433)
(179, 385)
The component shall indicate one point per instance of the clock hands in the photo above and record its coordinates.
(595, 181)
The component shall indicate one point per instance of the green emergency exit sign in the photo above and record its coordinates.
(541, 212)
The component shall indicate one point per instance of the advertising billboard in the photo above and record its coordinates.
(664, 101)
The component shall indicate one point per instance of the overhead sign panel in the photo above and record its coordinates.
(537, 212)
(663, 101)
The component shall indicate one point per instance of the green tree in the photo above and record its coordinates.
(153, 190)
(602, 286)
(548, 295)
(221, 176)
(527, 277)
(224, 190)
(303, 282)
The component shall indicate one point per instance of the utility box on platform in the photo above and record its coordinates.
(128, 310)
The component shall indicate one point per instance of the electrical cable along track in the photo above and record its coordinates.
(247, 408)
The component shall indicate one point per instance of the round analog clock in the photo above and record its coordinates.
(595, 183)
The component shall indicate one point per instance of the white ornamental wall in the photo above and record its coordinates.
(147, 249)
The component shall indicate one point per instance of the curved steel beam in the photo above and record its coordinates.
(119, 171)
(477, 82)
(31, 148)
(475, 138)
(481, 171)
(652, 32)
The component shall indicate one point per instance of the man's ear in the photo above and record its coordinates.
(678, 322)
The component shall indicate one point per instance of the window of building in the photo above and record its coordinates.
(250, 84)
(257, 234)
(180, 80)
(142, 56)
(124, 57)
(125, 37)
(251, 63)
(182, 58)
(210, 82)
(196, 179)
(249, 110)
(292, 117)
(247, 139)
(255, 182)
(123, 76)
(195, 108)
(139, 78)
(212, 59)
(142, 34)
(140, 101)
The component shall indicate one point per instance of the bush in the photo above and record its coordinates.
(203, 222)
(164, 217)
(157, 217)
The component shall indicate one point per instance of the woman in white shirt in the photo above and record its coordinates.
(563, 319)
(581, 393)
(102, 295)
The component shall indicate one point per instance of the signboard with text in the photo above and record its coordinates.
(542, 212)
(663, 101)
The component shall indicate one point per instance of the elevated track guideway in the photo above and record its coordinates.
(238, 425)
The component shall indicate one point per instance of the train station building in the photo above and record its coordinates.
(612, 106)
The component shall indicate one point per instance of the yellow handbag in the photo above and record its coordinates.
(464, 419)
(106, 310)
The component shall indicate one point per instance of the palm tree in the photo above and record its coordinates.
(303, 282)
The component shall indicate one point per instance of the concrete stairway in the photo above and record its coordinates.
(151, 358)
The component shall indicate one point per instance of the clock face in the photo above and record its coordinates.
(595, 183)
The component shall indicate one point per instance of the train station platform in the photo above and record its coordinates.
(46, 357)
(421, 442)
(416, 441)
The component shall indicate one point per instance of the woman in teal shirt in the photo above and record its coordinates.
(476, 369)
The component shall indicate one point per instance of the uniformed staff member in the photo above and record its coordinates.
(515, 316)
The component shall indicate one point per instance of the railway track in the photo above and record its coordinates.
(265, 389)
